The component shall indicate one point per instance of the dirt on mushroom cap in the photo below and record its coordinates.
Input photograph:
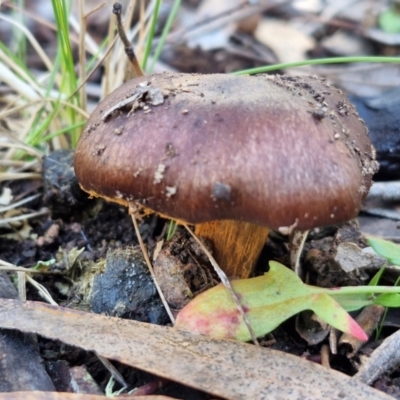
(270, 150)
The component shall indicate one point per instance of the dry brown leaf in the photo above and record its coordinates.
(228, 369)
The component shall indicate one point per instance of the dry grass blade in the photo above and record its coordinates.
(19, 203)
(115, 374)
(14, 143)
(41, 289)
(6, 266)
(148, 262)
(39, 50)
(13, 268)
(227, 369)
(23, 217)
(21, 285)
(82, 58)
(12, 80)
(13, 176)
(297, 240)
(23, 275)
(115, 68)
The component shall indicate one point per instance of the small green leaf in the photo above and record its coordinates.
(268, 300)
(172, 228)
(43, 266)
(389, 21)
(386, 249)
(388, 300)
(377, 277)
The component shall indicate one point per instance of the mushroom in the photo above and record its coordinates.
(233, 155)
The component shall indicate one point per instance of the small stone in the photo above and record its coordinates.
(126, 289)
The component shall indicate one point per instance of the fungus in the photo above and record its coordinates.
(233, 155)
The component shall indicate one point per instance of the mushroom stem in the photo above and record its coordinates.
(236, 244)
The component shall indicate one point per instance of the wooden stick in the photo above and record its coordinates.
(117, 9)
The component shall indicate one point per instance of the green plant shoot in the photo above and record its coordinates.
(386, 249)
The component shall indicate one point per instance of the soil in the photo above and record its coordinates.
(100, 229)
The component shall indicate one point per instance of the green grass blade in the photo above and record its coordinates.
(166, 30)
(15, 58)
(377, 277)
(386, 249)
(41, 123)
(91, 63)
(149, 41)
(69, 81)
(318, 61)
(20, 39)
(64, 130)
(172, 227)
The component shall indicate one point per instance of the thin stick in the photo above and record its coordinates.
(21, 276)
(23, 217)
(148, 262)
(19, 203)
(142, 29)
(296, 245)
(22, 269)
(227, 284)
(117, 8)
(11, 176)
(112, 370)
(325, 356)
(42, 290)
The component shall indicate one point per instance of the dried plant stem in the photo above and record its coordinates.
(325, 356)
(24, 217)
(132, 211)
(13, 268)
(142, 28)
(19, 203)
(41, 289)
(32, 40)
(117, 8)
(21, 276)
(21, 146)
(12, 176)
(227, 283)
(12, 163)
(296, 245)
(45, 100)
(112, 370)
(94, 69)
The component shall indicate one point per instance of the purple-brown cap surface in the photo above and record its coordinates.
(271, 150)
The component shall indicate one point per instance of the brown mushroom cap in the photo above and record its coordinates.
(271, 150)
